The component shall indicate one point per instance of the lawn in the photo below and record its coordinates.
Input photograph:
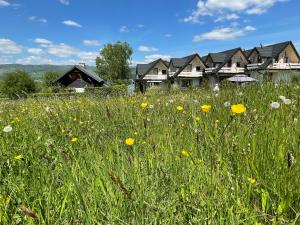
(158, 158)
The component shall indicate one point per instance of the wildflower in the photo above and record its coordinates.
(19, 157)
(185, 153)
(275, 105)
(179, 108)
(205, 108)
(129, 141)
(227, 104)
(47, 109)
(74, 139)
(7, 129)
(144, 105)
(287, 101)
(216, 88)
(238, 109)
(151, 106)
(282, 98)
(197, 119)
(251, 180)
(135, 133)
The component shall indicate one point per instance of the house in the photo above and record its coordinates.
(152, 74)
(225, 64)
(278, 62)
(79, 77)
(187, 71)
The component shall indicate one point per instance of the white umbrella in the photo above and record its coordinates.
(241, 79)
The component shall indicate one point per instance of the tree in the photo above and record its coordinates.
(18, 84)
(113, 62)
(49, 77)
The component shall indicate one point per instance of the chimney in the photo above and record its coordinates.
(82, 65)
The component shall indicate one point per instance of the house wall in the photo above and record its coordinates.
(238, 58)
(209, 62)
(195, 62)
(274, 76)
(160, 66)
(290, 53)
(253, 57)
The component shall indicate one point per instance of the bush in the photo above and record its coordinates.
(49, 77)
(18, 84)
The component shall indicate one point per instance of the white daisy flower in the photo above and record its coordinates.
(227, 104)
(287, 101)
(7, 129)
(275, 105)
(282, 98)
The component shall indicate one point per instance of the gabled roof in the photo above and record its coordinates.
(181, 63)
(224, 57)
(87, 72)
(248, 52)
(143, 69)
(272, 52)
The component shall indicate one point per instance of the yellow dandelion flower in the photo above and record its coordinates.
(19, 157)
(238, 109)
(251, 180)
(185, 153)
(144, 105)
(74, 139)
(180, 108)
(205, 108)
(129, 141)
(197, 119)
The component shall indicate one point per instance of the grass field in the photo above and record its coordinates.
(153, 159)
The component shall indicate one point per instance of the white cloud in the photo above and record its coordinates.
(4, 3)
(9, 47)
(91, 43)
(35, 51)
(227, 33)
(88, 57)
(64, 2)
(151, 58)
(217, 8)
(43, 42)
(62, 50)
(231, 16)
(147, 49)
(124, 29)
(71, 23)
(36, 19)
(34, 60)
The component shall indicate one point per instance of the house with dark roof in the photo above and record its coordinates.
(79, 77)
(152, 74)
(187, 71)
(281, 60)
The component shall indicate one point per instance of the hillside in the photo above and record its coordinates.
(37, 71)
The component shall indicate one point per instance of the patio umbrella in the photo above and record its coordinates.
(241, 79)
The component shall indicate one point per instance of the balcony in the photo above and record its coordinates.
(254, 66)
(285, 66)
(155, 77)
(229, 70)
(193, 74)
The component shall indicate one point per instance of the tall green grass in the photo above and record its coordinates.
(241, 169)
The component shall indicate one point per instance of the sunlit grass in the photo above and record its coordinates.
(164, 158)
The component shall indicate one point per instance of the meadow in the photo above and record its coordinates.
(183, 157)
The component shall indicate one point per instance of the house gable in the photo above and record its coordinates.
(289, 52)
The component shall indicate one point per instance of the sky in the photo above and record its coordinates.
(73, 31)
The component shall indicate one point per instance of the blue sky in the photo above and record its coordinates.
(72, 31)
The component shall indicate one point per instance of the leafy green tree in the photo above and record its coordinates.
(18, 84)
(49, 77)
(113, 62)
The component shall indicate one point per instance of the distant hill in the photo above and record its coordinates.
(37, 71)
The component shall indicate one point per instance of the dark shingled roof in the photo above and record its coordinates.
(89, 73)
(181, 63)
(272, 51)
(248, 52)
(143, 69)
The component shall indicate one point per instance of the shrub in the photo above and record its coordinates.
(18, 84)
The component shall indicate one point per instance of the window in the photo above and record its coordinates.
(186, 83)
(238, 64)
(198, 68)
(229, 63)
(164, 72)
